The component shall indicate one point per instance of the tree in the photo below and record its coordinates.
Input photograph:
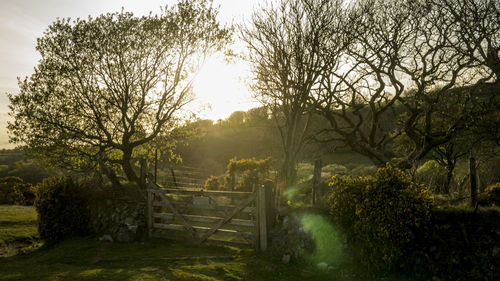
(286, 44)
(401, 63)
(109, 85)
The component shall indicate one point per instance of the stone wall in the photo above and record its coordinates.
(465, 245)
(120, 216)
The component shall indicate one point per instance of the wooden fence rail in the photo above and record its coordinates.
(219, 217)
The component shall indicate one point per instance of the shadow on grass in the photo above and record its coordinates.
(157, 259)
(90, 259)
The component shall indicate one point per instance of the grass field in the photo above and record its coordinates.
(18, 229)
(87, 258)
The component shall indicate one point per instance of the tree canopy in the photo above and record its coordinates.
(108, 85)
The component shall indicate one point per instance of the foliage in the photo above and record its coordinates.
(493, 194)
(106, 86)
(262, 166)
(248, 180)
(14, 190)
(62, 209)
(432, 175)
(212, 183)
(249, 170)
(381, 215)
(347, 194)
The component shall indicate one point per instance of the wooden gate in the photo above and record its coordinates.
(217, 217)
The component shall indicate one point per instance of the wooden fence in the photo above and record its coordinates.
(219, 217)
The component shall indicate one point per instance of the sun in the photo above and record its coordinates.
(220, 88)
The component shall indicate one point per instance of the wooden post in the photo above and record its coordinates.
(316, 179)
(270, 204)
(473, 178)
(261, 206)
(156, 166)
(150, 211)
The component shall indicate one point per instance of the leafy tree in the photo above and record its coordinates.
(106, 86)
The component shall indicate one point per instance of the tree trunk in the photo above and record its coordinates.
(288, 172)
(128, 169)
(450, 167)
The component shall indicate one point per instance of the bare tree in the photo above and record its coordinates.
(400, 62)
(286, 45)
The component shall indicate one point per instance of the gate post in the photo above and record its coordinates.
(150, 210)
(262, 217)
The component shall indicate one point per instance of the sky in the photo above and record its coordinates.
(220, 88)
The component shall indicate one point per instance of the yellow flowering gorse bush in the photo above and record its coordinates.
(380, 215)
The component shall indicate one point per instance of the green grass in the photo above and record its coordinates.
(154, 259)
(88, 258)
(17, 224)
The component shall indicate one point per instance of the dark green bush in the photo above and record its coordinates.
(62, 209)
(14, 190)
(381, 215)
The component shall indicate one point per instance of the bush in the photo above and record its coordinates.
(212, 183)
(255, 169)
(62, 209)
(493, 193)
(14, 190)
(247, 181)
(433, 175)
(381, 216)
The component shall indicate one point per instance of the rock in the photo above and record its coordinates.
(106, 238)
(123, 237)
(286, 259)
(322, 266)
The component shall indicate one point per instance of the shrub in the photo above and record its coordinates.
(261, 167)
(14, 190)
(433, 175)
(212, 183)
(62, 209)
(381, 216)
(347, 194)
(493, 193)
(248, 179)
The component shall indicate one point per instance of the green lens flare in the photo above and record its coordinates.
(327, 239)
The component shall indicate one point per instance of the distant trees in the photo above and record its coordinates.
(109, 85)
